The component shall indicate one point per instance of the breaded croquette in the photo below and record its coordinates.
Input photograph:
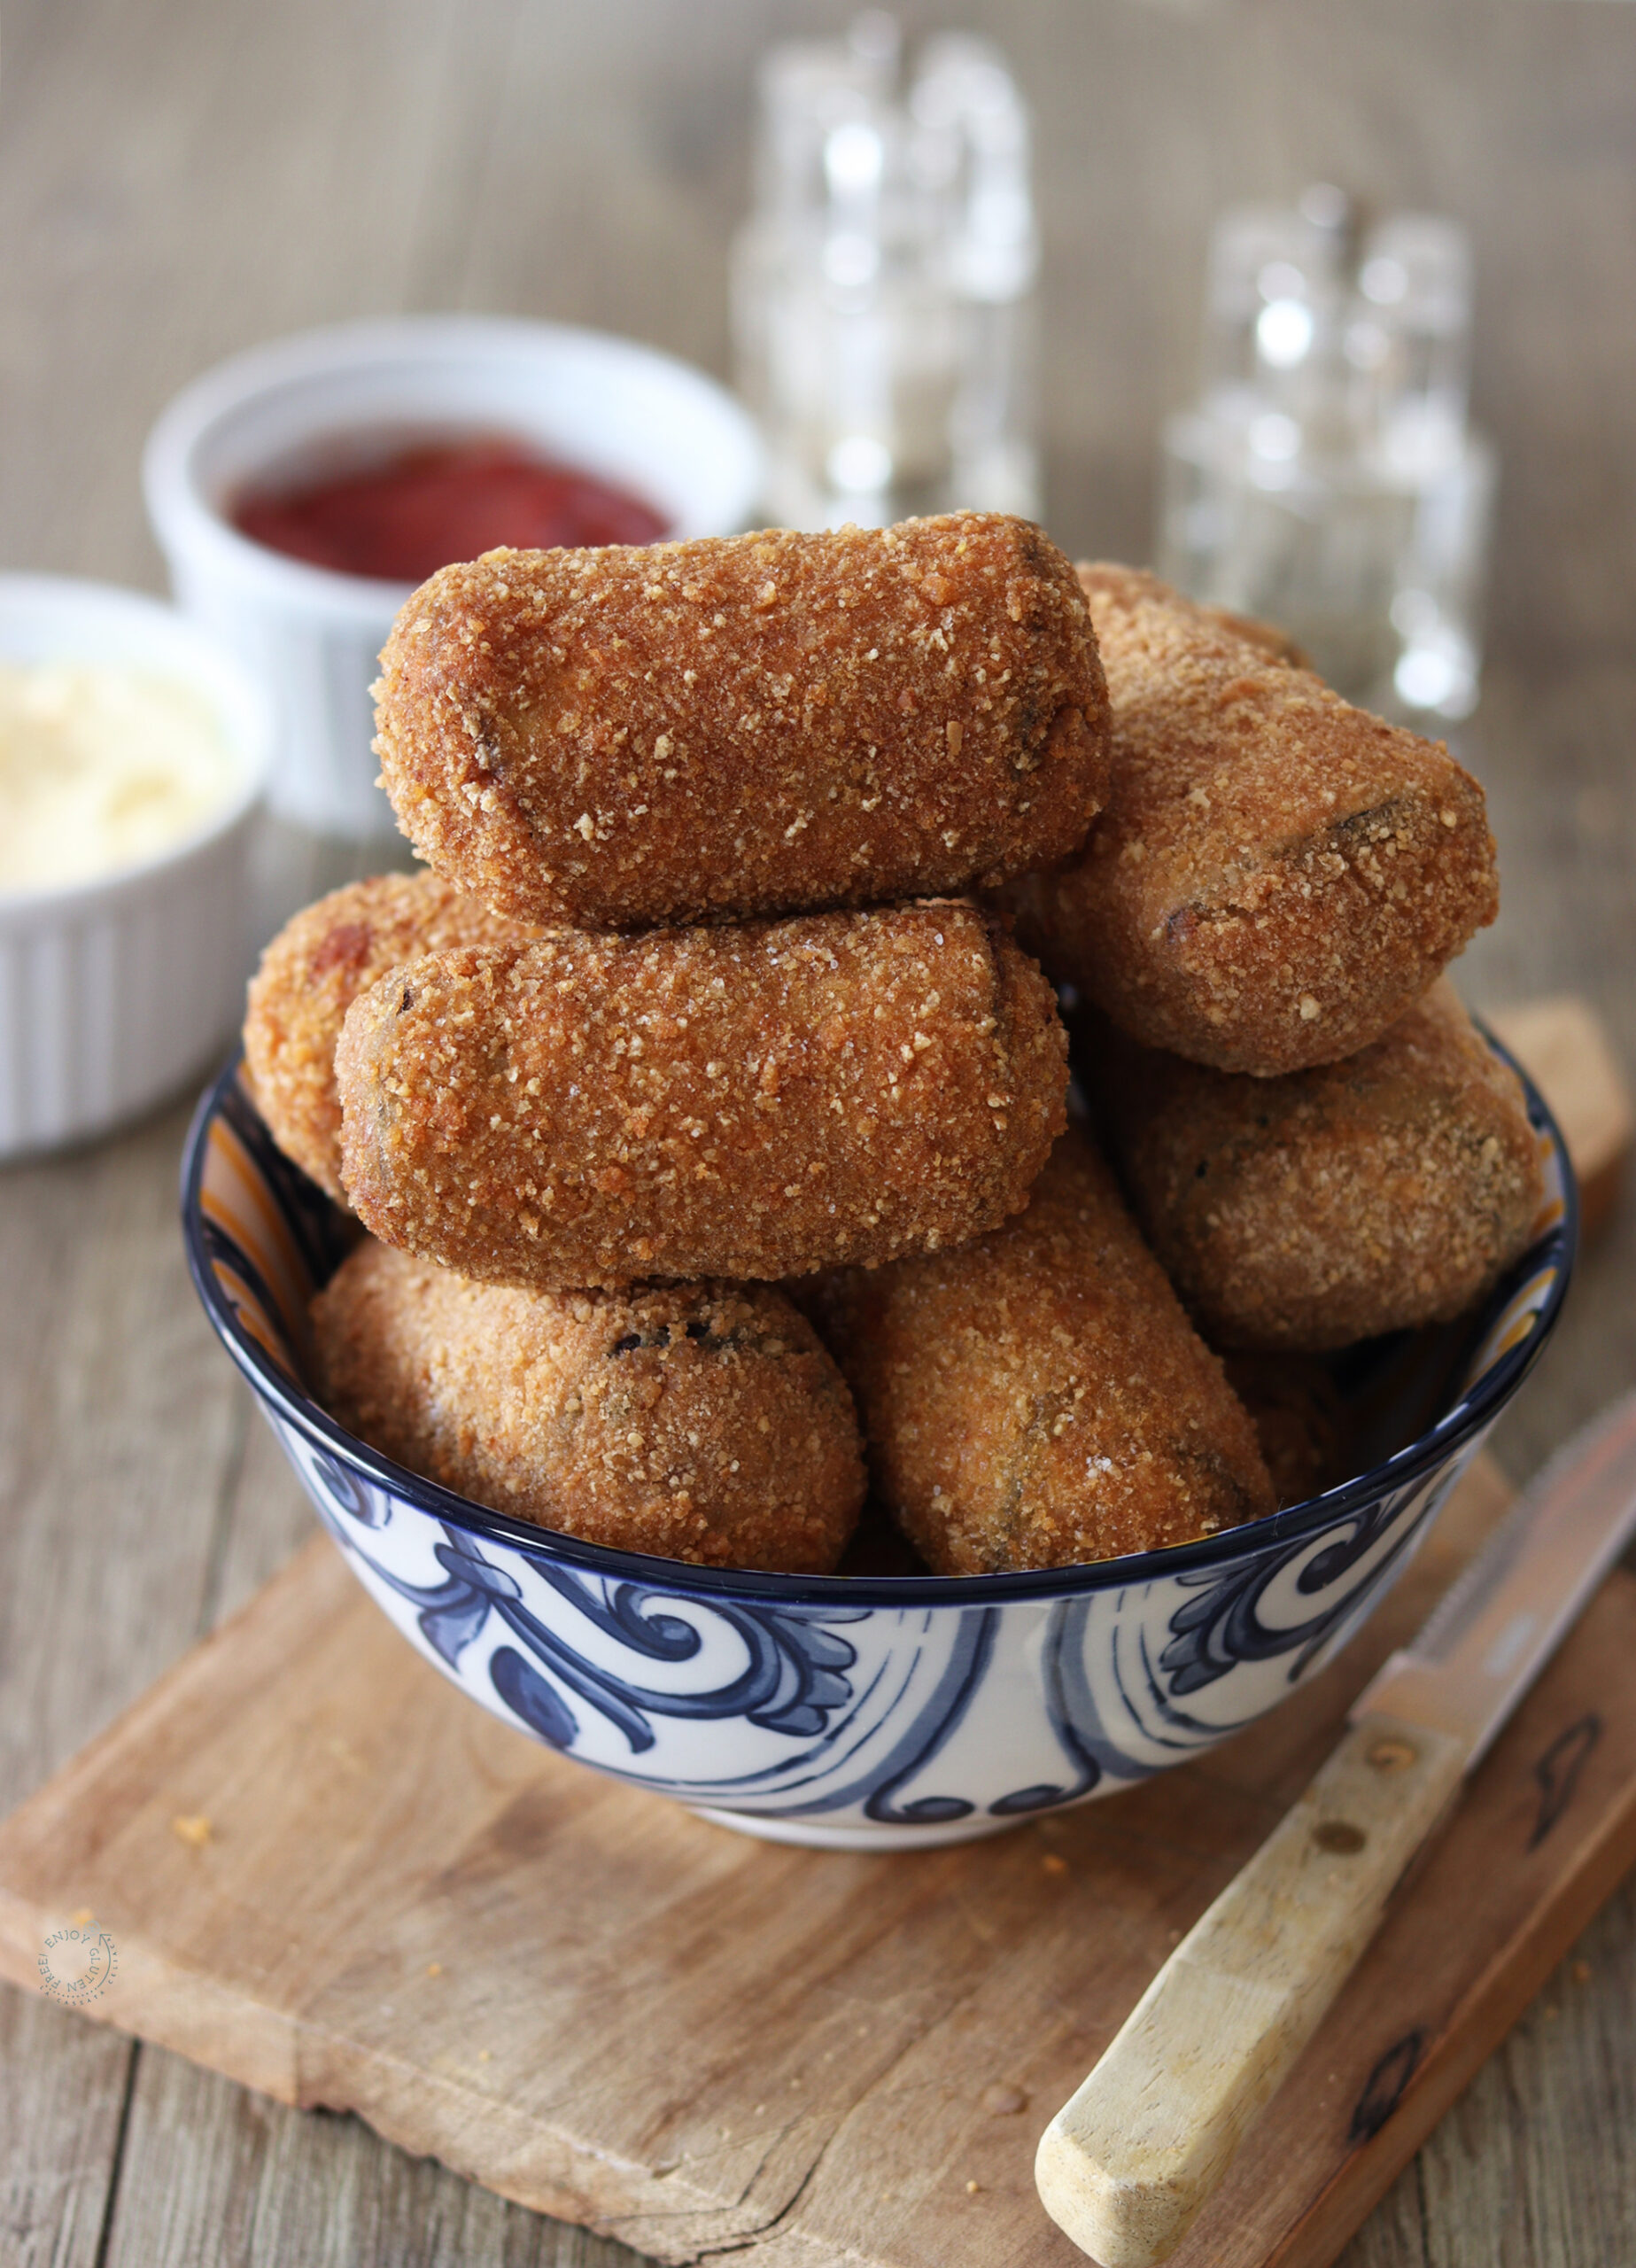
(1277, 875)
(1039, 1398)
(310, 975)
(749, 1101)
(1299, 1420)
(1276, 644)
(702, 1422)
(1331, 1204)
(745, 725)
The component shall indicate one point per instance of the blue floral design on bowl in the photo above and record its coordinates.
(869, 1713)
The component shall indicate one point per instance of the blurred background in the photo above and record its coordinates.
(229, 170)
(183, 180)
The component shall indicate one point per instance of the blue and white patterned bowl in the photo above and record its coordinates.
(866, 1712)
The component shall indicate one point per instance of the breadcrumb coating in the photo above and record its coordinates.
(1276, 644)
(1332, 1204)
(310, 975)
(1277, 875)
(1039, 1398)
(745, 725)
(749, 1101)
(702, 1422)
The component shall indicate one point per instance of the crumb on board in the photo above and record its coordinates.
(193, 1829)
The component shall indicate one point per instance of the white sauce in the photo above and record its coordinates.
(102, 767)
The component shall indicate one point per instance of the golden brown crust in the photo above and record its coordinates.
(745, 725)
(1277, 875)
(702, 1422)
(1331, 1204)
(1040, 1399)
(1276, 643)
(310, 975)
(748, 1101)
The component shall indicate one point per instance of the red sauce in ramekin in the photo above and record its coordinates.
(401, 519)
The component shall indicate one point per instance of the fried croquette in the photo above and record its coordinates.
(1299, 1420)
(1276, 643)
(745, 725)
(1332, 1204)
(755, 1100)
(1277, 875)
(701, 1421)
(1039, 1398)
(310, 975)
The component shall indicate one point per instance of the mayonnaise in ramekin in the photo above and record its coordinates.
(103, 766)
(134, 754)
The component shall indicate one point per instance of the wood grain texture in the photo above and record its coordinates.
(1561, 1043)
(232, 2176)
(63, 2090)
(1147, 2137)
(185, 178)
(605, 2008)
(118, 1437)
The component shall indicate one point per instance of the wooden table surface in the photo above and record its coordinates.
(179, 179)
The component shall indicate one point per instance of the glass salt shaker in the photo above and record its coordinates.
(1327, 479)
(883, 285)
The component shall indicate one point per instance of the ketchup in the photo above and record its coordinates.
(400, 520)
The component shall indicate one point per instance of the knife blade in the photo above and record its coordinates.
(1500, 1621)
(1129, 2161)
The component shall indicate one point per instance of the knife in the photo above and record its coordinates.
(1126, 2162)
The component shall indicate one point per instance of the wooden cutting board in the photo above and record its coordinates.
(320, 1869)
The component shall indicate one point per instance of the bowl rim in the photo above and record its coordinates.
(1470, 1418)
(183, 515)
(243, 712)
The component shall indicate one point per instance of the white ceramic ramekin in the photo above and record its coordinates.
(113, 991)
(636, 417)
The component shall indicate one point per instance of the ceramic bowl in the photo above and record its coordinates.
(870, 1713)
(116, 990)
(637, 417)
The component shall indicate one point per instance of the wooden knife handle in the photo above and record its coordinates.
(1128, 2162)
